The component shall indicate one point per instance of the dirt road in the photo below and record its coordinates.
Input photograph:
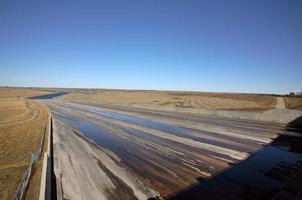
(280, 103)
(129, 153)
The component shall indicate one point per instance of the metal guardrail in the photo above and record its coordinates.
(25, 179)
(22, 187)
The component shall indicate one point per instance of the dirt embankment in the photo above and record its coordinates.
(240, 106)
(221, 101)
(293, 103)
(22, 124)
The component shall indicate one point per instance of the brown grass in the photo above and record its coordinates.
(19, 137)
(176, 99)
(293, 102)
(21, 92)
(13, 110)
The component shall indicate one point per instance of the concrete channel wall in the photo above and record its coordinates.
(283, 116)
(47, 185)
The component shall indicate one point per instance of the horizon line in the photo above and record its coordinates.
(133, 89)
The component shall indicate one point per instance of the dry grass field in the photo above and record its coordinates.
(224, 101)
(21, 92)
(293, 102)
(205, 100)
(22, 124)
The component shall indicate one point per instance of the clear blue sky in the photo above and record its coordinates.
(230, 46)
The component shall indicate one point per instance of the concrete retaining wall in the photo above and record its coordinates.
(274, 115)
(46, 186)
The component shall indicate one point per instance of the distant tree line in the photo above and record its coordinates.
(290, 94)
(294, 94)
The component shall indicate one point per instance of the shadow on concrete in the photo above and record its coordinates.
(49, 96)
(295, 125)
(274, 172)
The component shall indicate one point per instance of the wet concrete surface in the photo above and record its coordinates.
(258, 177)
(170, 154)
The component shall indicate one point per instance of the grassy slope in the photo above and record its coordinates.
(176, 99)
(21, 92)
(18, 138)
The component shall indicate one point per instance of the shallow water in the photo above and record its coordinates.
(169, 166)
